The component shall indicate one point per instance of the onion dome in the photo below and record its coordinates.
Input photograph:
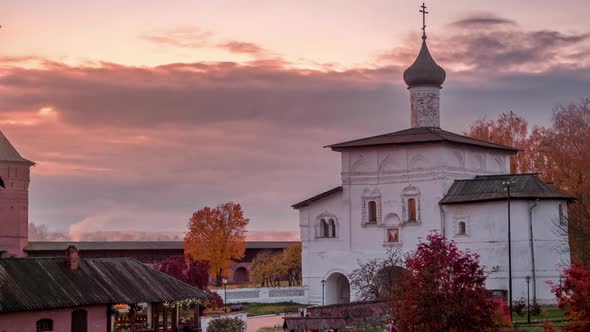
(424, 71)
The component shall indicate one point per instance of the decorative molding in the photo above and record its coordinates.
(460, 159)
(415, 160)
(384, 162)
(360, 160)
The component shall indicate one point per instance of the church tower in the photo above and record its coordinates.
(14, 199)
(424, 79)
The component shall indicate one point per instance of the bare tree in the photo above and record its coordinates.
(377, 278)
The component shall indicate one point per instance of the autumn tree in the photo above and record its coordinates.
(376, 278)
(443, 289)
(573, 297)
(218, 236)
(267, 269)
(509, 130)
(291, 264)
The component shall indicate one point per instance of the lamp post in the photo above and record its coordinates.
(507, 184)
(224, 294)
(323, 287)
(528, 299)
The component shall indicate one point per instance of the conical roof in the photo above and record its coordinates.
(9, 153)
(424, 71)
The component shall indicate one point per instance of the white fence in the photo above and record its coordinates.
(264, 295)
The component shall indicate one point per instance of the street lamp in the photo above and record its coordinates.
(507, 184)
(528, 300)
(323, 286)
(224, 294)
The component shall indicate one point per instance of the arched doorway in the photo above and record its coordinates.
(79, 320)
(241, 275)
(337, 289)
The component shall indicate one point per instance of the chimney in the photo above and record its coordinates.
(72, 258)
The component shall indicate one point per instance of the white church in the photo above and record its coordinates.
(398, 187)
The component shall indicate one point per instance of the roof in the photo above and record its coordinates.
(9, 153)
(316, 197)
(28, 284)
(490, 188)
(419, 135)
(2, 248)
(424, 70)
(137, 245)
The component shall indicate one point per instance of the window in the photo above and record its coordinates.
(462, 228)
(325, 225)
(324, 231)
(372, 205)
(44, 324)
(412, 210)
(331, 228)
(561, 215)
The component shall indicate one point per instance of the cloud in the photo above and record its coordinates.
(497, 46)
(483, 20)
(182, 37)
(141, 148)
(239, 47)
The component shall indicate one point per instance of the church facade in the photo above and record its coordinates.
(398, 187)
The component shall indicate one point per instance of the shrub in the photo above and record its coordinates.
(518, 306)
(215, 301)
(535, 309)
(227, 324)
(549, 327)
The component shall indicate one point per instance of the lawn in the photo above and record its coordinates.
(259, 309)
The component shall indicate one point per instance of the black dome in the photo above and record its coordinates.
(424, 71)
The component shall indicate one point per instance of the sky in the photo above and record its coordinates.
(139, 113)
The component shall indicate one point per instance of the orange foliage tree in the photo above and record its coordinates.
(560, 153)
(510, 130)
(217, 236)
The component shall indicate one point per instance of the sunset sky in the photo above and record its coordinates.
(140, 112)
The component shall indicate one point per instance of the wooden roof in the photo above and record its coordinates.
(490, 188)
(419, 135)
(28, 284)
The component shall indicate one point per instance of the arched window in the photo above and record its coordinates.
(324, 228)
(44, 324)
(372, 205)
(332, 228)
(561, 216)
(462, 228)
(412, 209)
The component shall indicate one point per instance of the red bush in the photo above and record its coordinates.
(573, 297)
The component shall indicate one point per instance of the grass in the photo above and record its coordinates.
(259, 309)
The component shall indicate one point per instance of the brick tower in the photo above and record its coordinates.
(14, 199)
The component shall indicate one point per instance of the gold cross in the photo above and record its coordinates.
(424, 12)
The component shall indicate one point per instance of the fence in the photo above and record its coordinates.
(264, 295)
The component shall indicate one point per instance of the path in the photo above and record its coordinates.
(256, 323)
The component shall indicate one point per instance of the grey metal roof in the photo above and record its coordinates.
(419, 135)
(2, 248)
(28, 284)
(316, 197)
(424, 70)
(138, 245)
(490, 187)
(9, 153)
